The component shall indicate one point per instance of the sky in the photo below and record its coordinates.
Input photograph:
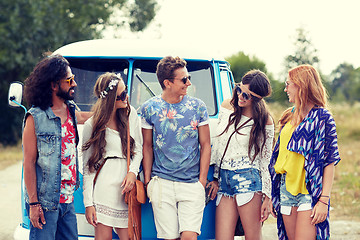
(262, 28)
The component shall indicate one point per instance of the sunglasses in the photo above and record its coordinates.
(245, 95)
(70, 80)
(122, 96)
(184, 79)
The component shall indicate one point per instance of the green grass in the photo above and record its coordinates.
(10, 155)
(345, 196)
(346, 189)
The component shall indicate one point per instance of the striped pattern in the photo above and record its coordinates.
(316, 139)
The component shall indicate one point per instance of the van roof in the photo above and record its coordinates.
(135, 48)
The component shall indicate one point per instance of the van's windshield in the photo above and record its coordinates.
(144, 83)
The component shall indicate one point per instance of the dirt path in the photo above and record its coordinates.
(10, 209)
(10, 213)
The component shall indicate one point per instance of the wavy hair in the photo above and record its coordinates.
(166, 67)
(311, 91)
(103, 109)
(51, 69)
(259, 84)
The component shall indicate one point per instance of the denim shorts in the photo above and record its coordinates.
(233, 182)
(287, 200)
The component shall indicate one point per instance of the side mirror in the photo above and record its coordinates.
(15, 95)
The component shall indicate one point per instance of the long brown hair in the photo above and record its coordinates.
(311, 90)
(259, 84)
(102, 113)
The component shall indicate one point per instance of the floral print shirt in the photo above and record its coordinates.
(175, 136)
(68, 161)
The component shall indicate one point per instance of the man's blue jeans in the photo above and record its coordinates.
(60, 224)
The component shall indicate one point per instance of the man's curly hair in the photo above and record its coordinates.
(51, 69)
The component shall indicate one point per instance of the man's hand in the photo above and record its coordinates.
(37, 216)
(203, 182)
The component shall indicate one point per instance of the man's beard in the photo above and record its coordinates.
(65, 95)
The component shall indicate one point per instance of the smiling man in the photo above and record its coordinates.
(176, 153)
(50, 138)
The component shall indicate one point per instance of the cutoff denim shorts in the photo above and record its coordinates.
(242, 183)
(287, 200)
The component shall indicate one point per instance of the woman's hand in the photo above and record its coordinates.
(320, 212)
(265, 209)
(272, 209)
(128, 182)
(214, 187)
(90, 215)
(37, 216)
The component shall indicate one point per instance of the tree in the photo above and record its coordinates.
(241, 63)
(345, 83)
(28, 28)
(305, 52)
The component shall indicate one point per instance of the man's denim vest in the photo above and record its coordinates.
(48, 163)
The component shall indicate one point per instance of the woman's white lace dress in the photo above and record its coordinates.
(111, 209)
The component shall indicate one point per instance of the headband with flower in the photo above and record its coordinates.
(113, 83)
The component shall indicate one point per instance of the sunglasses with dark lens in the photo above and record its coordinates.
(184, 79)
(70, 80)
(245, 95)
(122, 96)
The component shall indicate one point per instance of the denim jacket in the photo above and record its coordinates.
(48, 163)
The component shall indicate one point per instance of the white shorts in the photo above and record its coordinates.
(177, 206)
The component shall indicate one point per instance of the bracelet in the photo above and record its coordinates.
(34, 206)
(323, 202)
(325, 196)
(34, 203)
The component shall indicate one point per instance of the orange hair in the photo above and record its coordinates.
(311, 91)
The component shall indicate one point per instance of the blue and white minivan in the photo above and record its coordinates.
(136, 61)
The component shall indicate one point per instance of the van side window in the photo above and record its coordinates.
(145, 84)
(226, 80)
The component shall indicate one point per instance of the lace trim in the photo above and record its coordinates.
(111, 212)
(236, 156)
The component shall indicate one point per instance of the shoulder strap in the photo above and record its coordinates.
(227, 144)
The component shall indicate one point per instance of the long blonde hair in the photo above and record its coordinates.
(311, 91)
(102, 112)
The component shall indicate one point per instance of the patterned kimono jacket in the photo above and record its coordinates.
(316, 139)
